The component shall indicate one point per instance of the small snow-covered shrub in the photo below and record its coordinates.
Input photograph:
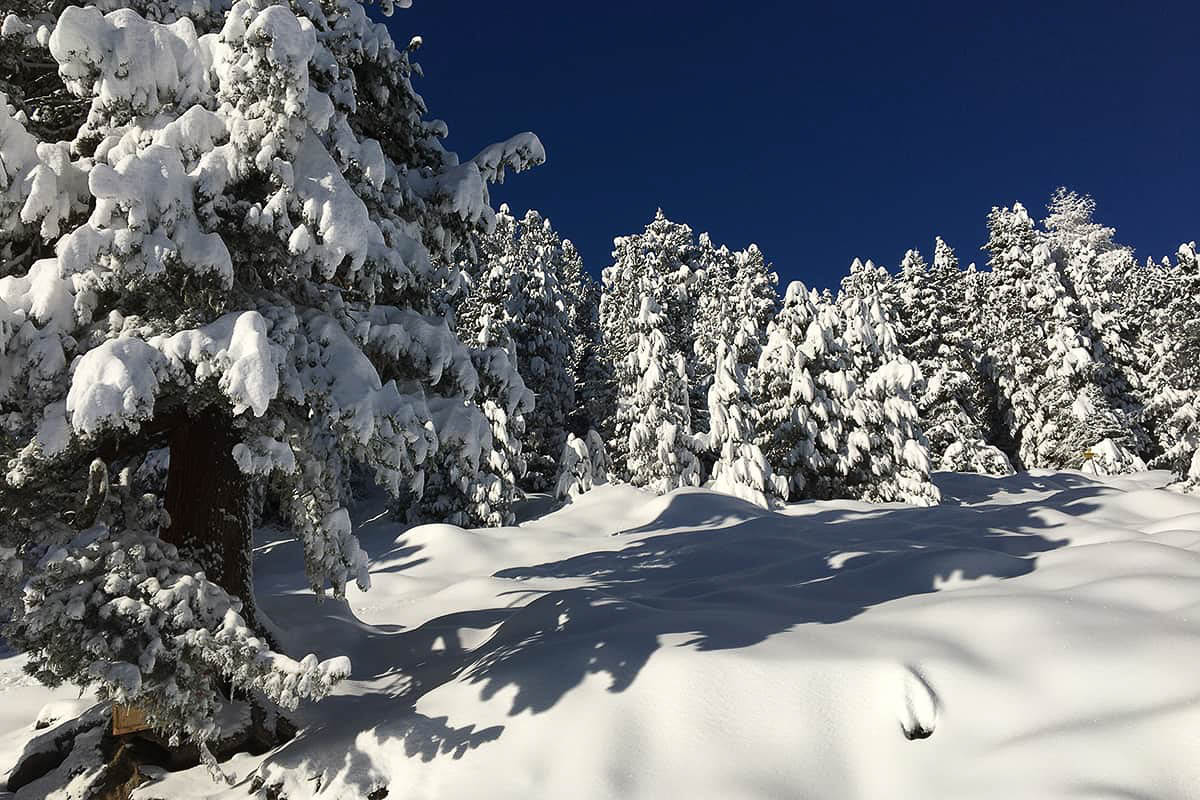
(582, 466)
(1107, 457)
(574, 469)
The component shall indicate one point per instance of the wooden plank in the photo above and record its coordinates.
(127, 719)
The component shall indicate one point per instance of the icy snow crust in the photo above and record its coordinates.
(1034, 636)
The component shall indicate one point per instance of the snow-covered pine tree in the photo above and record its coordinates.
(734, 296)
(793, 409)
(1056, 300)
(474, 483)
(1183, 456)
(978, 339)
(1094, 269)
(521, 283)
(1064, 358)
(740, 469)
(1014, 353)
(471, 479)
(582, 467)
(582, 294)
(602, 468)
(932, 303)
(902, 295)
(884, 451)
(662, 447)
(831, 365)
(713, 285)
(245, 229)
(538, 314)
(506, 402)
(1172, 346)
(595, 392)
(832, 419)
(661, 264)
(574, 470)
(1148, 297)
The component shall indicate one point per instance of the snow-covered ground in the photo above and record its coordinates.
(1035, 636)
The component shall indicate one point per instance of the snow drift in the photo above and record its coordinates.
(1033, 636)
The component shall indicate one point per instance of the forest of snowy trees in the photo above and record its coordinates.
(241, 279)
(1065, 352)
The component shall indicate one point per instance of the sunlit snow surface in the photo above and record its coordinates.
(1033, 637)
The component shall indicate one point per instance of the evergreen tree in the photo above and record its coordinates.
(662, 447)
(582, 467)
(951, 400)
(884, 453)
(1065, 359)
(595, 391)
(538, 312)
(583, 313)
(474, 483)
(575, 470)
(741, 469)
(602, 468)
(1171, 343)
(660, 264)
(712, 322)
(249, 227)
(1149, 294)
(832, 366)
(735, 297)
(526, 281)
(1013, 355)
(1094, 271)
(786, 395)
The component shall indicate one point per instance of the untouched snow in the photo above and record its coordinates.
(1034, 636)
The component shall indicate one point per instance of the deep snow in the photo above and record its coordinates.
(1032, 637)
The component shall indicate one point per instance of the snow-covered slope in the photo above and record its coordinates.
(1034, 636)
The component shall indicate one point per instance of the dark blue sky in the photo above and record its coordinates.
(828, 131)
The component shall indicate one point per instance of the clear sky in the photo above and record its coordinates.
(825, 131)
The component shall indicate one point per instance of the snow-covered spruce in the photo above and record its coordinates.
(661, 264)
(792, 408)
(1052, 301)
(662, 447)
(741, 469)
(1164, 302)
(735, 298)
(526, 279)
(231, 251)
(935, 334)
(582, 467)
(884, 453)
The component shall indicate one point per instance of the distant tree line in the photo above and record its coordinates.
(687, 367)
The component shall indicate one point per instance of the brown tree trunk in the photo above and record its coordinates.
(208, 499)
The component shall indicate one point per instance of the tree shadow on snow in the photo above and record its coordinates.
(966, 488)
(348, 738)
(755, 575)
(355, 737)
(761, 574)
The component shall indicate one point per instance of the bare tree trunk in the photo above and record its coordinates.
(208, 499)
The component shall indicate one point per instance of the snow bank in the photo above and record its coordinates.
(1030, 637)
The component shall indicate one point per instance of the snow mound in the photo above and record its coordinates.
(695, 645)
